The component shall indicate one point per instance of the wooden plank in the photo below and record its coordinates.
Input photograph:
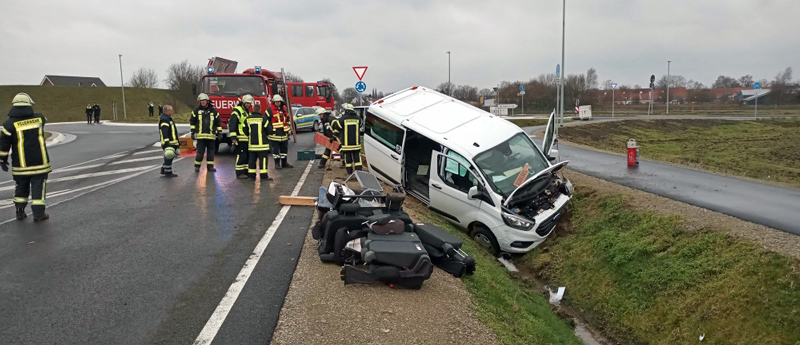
(297, 200)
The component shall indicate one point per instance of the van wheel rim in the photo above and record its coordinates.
(483, 240)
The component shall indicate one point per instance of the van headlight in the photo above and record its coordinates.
(518, 222)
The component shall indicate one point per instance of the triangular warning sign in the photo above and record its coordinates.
(360, 71)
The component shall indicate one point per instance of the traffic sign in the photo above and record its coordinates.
(361, 86)
(652, 79)
(360, 71)
(613, 86)
(522, 88)
(757, 86)
(507, 106)
(558, 70)
(522, 92)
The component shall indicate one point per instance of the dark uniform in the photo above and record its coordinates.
(23, 135)
(259, 128)
(96, 113)
(150, 108)
(169, 138)
(279, 138)
(160, 109)
(205, 123)
(328, 132)
(239, 131)
(89, 113)
(349, 128)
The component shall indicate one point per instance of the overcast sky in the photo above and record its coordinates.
(404, 43)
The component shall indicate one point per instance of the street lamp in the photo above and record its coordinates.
(122, 84)
(449, 85)
(563, 69)
(668, 80)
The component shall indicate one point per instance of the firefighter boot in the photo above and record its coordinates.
(265, 177)
(41, 217)
(321, 164)
(21, 213)
(251, 177)
(162, 171)
(38, 213)
(196, 168)
(278, 163)
(285, 163)
(211, 168)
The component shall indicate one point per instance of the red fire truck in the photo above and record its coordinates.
(225, 90)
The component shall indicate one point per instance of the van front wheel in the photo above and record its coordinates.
(485, 238)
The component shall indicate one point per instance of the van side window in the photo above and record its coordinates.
(297, 90)
(386, 133)
(457, 165)
(456, 175)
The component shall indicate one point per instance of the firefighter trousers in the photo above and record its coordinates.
(89, 118)
(205, 146)
(352, 160)
(242, 157)
(325, 157)
(259, 158)
(96, 118)
(280, 149)
(167, 167)
(33, 185)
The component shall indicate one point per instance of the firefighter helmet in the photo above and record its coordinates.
(169, 153)
(277, 98)
(348, 106)
(321, 111)
(22, 100)
(248, 99)
(202, 97)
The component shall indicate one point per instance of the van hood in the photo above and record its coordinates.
(525, 189)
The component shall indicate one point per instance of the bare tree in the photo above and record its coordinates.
(607, 84)
(144, 78)
(746, 81)
(349, 94)
(725, 82)
(446, 88)
(293, 77)
(180, 77)
(591, 79)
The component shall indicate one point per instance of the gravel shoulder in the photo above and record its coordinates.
(319, 309)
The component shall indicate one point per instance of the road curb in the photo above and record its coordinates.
(55, 139)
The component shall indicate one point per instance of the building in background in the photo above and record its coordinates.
(62, 80)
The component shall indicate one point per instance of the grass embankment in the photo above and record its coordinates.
(644, 279)
(765, 149)
(68, 103)
(516, 313)
(697, 109)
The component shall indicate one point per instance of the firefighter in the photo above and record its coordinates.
(23, 135)
(349, 127)
(160, 109)
(325, 118)
(259, 128)
(169, 140)
(239, 133)
(96, 112)
(89, 112)
(279, 138)
(205, 124)
(150, 108)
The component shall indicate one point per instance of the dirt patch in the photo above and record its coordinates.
(320, 309)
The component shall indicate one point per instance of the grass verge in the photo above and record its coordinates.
(516, 313)
(522, 123)
(643, 278)
(765, 149)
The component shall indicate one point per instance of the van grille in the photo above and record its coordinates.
(548, 225)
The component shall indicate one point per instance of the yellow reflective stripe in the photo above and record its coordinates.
(34, 172)
(42, 145)
(21, 149)
(20, 200)
(35, 167)
(165, 124)
(38, 203)
(6, 132)
(3, 153)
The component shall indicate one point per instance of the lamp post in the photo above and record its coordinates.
(563, 69)
(122, 84)
(449, 85)
(668, 80)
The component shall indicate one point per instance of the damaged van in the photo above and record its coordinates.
(479, 171)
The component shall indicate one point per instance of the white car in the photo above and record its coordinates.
(479, 171)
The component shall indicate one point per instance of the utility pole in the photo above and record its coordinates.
(668, 81)
(563, 69)
(122, 84)
(449, 85)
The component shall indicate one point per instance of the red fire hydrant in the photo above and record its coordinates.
(633, 153)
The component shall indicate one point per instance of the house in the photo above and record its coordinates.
(61, 80)
(749, 96)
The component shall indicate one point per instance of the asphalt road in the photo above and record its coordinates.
(130, 257)
(760, 203)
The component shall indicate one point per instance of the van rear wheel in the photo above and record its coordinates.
(485, 238)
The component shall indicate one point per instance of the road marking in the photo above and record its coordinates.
(218, 317)
(67, 168)
(146, 152)
(77, 168)
(105, 184)
(97, 174)
(137, 160)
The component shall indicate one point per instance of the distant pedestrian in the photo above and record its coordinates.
(89, 113)
(169, 140)
(160, 109)
(96, 112)
(150, 108)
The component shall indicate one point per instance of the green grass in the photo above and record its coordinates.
(644, 279)
(765, 149)
(64, 103)
(513, 310)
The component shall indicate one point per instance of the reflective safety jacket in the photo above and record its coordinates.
(205, 121)
(89, 110)
(169, 132)
(236, 124)
(259, 128)
(280, 123)
(23, 136)
(348, 128)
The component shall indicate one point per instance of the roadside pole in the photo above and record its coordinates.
(613, 88)
(288, 106)
(757, 86)
(122, 85)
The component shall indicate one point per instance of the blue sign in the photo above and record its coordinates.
(558, 70)
(757, 86)
(522, 88)
(361, 86)
(613, 85)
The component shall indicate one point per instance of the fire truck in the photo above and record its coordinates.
(225, 88)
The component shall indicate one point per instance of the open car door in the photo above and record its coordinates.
(549, 134)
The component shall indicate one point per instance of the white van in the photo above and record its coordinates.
(479, 171)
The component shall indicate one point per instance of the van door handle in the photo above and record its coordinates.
(436, 186)
(395, 157)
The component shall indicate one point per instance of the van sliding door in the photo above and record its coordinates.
(383, 144)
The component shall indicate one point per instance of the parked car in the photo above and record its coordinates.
(479, 171)
(306, 118)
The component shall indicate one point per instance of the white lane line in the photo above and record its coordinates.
(97, 174)
(105, 184)
(146, 152)
(137, 160)
(67, 168)
(218, 317)
(61, 170)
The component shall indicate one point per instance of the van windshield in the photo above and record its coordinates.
(502, 165)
